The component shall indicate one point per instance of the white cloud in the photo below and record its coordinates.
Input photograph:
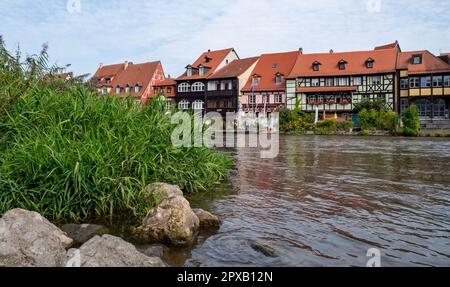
(176, 32)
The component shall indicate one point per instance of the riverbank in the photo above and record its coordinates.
(437, 134)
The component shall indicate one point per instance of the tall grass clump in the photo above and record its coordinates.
(70, 155)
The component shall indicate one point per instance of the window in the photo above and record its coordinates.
(189, 72)
(357, 81)
(169, 90)
(329, 82)
(404, 84)
(155, 90)
(255, 81)
(369, 63)
(127, 89)
(137, 89)
(425, 82)
(197, 105)
(108, 80)
(447, 81)
(278, 79)
(230, 85)
(417, 59)
(315, 82)
(274, 66)
(376, 80)
(212, 86)
(266, 99)
(202, 71)
(278, 99)
(342, 64)
(316, 66)
(118, 89)
(437, 81)
(414, 82)
(184, 87)
(104, 91)
(183, 105)
(343, 81)
(198, 87)
(252, 99)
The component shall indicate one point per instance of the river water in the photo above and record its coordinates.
(324, 201)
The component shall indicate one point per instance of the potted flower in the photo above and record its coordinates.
(345, 102)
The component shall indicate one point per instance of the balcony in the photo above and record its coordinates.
(221, 93)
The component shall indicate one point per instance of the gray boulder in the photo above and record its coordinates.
(171, 221)
(206, 218)
(29, 240)
(154, 251)
(109, 251)
(81, 233)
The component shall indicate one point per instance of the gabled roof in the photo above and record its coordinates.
(394, 45)
(234, 69)
(108, 71)
(267, 68)
(211, 59)
(430, 63)
(384, 62)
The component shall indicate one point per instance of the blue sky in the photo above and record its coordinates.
(177, 31)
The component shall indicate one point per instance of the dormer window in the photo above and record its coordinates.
(256, 80)
(202, 71)
(274, 66)
(127, 89)
(189, 72)
(118, 89)
(342, 64)
(316, 66)
(417, 59)
(278, 79)
(369, 63)
(137, 88)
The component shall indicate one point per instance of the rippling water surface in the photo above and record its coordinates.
(324, 201)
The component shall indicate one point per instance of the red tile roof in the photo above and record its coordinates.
(210, 59)
(268, 66)
(389, 46)
(166, 82)
(384, 62)
(326, 89)
(140, 74)
(430, 63)
(234, 69)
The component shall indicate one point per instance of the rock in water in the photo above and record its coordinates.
(29, 240)
(154, 251)
(206, 218)
(171, 221)
(110, 251)
(81, 233)
(264, 249)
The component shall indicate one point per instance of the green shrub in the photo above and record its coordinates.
(411, 121)
(377, 105)
(74, 156)
(331, 126)
(387, 121)
(295, 121)
(368, 119)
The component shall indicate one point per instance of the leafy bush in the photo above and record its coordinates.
(368, 119)
(330, 126)
(387, 121)
(377, 105)
(411, 121)
(295, 121)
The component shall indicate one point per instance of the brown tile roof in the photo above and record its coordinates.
(268, 66)
(108, 71)
(384, 62)
(234, 69)
(166, 82)
(211, 59)
(430, 63)
(140, 74)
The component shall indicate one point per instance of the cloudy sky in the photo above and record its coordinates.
(177, 31)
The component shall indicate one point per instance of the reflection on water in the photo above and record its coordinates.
(324, 201)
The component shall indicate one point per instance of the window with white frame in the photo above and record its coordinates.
(212, 85)
(266, 99)
(230, 85)
(315, 82)
(447, 81)
(278, 79)
(278, 99)
(437, 81)
(137, 88)
(404, 84)
(357, 81)
(118, 89)
(414, 82)
(127, 89)
(202, 71)
(376, 80)
(189, 72)
(183, 105)
(197, 105)
(425, 82)
(255, 81)
(329, 82)
(184, 87)
(104, 91)
(343, 81)
(198, 87)
(252, 99)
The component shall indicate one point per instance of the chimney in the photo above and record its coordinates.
(300, 50)
(125, 66)
(101, 65)
(209, 50)
(331, 51)
(168, 76)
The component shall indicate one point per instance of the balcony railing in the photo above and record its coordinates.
(221, 93)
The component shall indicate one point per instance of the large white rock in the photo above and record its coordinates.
(109, 251)
(29, 240)
(171, 221)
